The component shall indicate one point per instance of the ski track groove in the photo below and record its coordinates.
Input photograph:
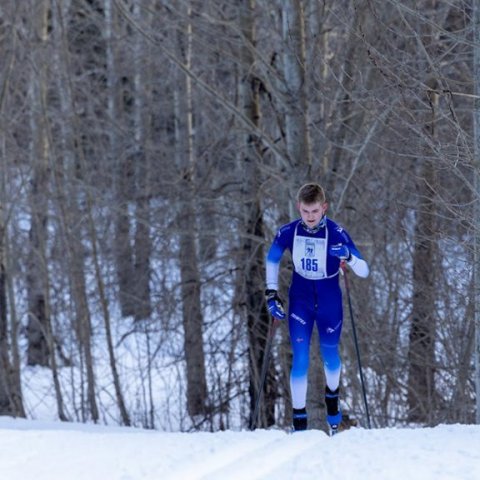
(255, 462)
(263, 463)
(222, 458)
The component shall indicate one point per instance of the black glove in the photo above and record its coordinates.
(275, 305)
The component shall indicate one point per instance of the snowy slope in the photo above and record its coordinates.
(50, 451)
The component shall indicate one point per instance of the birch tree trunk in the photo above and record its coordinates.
(297, 136)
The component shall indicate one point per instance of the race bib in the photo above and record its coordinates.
(309, 257)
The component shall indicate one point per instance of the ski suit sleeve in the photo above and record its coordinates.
(273, 261)
(358, 265)
(356, 262)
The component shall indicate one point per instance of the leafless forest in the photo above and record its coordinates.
(150, 149)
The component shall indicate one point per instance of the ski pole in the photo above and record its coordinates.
(263, 375)
(347, 289)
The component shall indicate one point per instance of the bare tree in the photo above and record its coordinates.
(476, 259)
(10, 389)
(37, 277)
(251, 260)
(11, 400)
(143, 244)
(185, 223)
(122, 161)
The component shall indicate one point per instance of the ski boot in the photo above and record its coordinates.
(334, 422)
(299, 419)
(334, 415)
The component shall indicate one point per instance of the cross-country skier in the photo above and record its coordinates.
(317, 246)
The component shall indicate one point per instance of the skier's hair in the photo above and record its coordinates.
(311, 193)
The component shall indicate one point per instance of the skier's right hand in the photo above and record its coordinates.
(275, 305)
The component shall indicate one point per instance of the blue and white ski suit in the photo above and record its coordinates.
(314, 296)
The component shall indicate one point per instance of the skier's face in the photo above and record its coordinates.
(312, 213)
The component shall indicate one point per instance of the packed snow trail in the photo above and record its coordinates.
(31, 450)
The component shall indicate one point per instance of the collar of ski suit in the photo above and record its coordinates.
(322, 223)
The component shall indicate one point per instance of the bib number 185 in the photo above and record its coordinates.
(310, 264)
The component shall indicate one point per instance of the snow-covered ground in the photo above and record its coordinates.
(35, 450)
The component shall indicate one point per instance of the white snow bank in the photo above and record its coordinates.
(33, 450)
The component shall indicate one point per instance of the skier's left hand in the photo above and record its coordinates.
(340, 251)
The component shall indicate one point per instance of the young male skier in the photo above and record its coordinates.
(317, 246)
